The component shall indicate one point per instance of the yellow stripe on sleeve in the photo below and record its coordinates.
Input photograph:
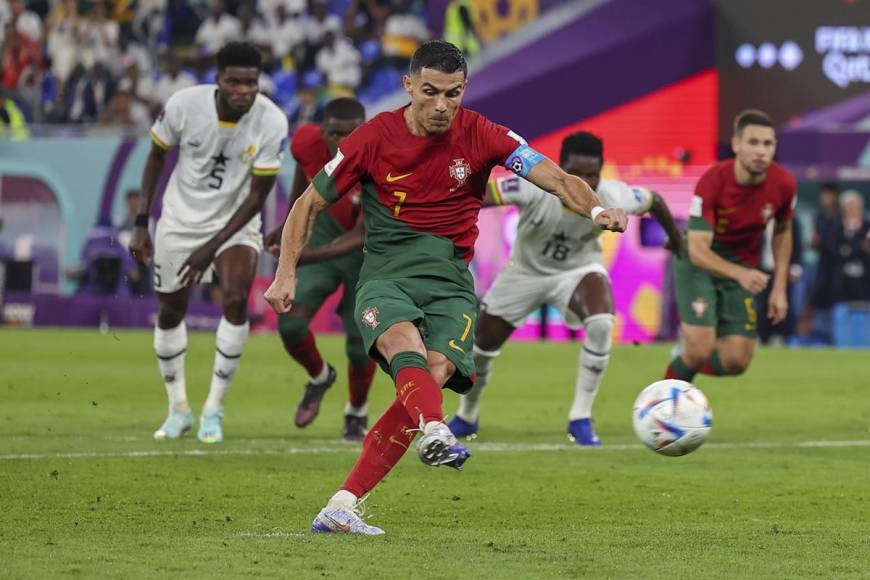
(158, 141)
(273, 171)
(496, 195)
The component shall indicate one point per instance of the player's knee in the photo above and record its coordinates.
(440, 367)
(292, 328)
(235, 303)
(697, 350)
(735, 364)
(169, 316)
(599, 333)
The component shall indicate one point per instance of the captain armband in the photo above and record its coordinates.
(523, 159)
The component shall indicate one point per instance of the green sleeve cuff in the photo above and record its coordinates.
(325, 186)
(697, 223)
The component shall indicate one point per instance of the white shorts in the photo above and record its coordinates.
(517, 293)
(174, 244)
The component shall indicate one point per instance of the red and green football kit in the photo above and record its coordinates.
(738, 216)
(420, 200)
(317, 282)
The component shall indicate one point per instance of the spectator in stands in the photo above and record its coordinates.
(181, 23)
(149, 21)
(253, 26)
(852, 276)
(64, 41)
(460, 26)
(173, 80)
(364, 19)
(315, 25)
(132, 52)
(20, 61)
(824, 242)
(126, 111)
(288, 33)
(293, 9)
(217, 30)
(99, 39)
(12, 122)
(86, 94)
(404, 32)
(307, 95)
(339, 61)
(26, 22)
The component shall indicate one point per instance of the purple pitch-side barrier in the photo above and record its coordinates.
(102, 311)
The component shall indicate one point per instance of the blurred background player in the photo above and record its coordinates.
(717, 278)
(312, 147)
(423, 169)
(231, 142)
(557, 260)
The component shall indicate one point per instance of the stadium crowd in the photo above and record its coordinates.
(117, 61)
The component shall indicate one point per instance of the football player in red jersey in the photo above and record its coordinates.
(718, 278)
(312, 147)
(423, 170)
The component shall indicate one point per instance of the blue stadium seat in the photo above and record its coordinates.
(285, 86)
(382, 82)
(370, 50)
(851, 324)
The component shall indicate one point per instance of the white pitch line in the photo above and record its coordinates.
(482, 447)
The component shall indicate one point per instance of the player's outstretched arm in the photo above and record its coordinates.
(576, 195)
(141, 247)
(782, 244)
(701, 254)
(350, 241)
(197, 263)
(272, 241)
(662, 214)
(294, 237)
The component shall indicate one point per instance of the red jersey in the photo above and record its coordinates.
(311, 153)
(738, 214)
(421, 195)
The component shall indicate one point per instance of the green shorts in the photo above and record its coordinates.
(707, 300)
(443, 311)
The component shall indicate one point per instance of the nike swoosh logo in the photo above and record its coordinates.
(452, 344)
(397, 442)
(343, 527)
(391, 178)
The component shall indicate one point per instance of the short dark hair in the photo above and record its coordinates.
(830, 186)
(344, 109)
(438, 55)
(751, 117)
(242, 54)
(582, 143)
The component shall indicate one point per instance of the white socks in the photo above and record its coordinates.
(230, 343)
(356, 411)
(320, 378)
(342, 498)
(469, 404)
(170, 345)
(593, 362)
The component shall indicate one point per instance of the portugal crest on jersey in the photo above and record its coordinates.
(370, 317)
(460, 171)
(699, 307)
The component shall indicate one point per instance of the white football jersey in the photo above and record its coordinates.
(550, 237)
(216, 158)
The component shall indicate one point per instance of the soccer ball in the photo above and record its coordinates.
(672, 417)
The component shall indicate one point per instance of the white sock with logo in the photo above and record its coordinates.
(230, 343)
(170, 344)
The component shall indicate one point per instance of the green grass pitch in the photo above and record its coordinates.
(780, 490)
